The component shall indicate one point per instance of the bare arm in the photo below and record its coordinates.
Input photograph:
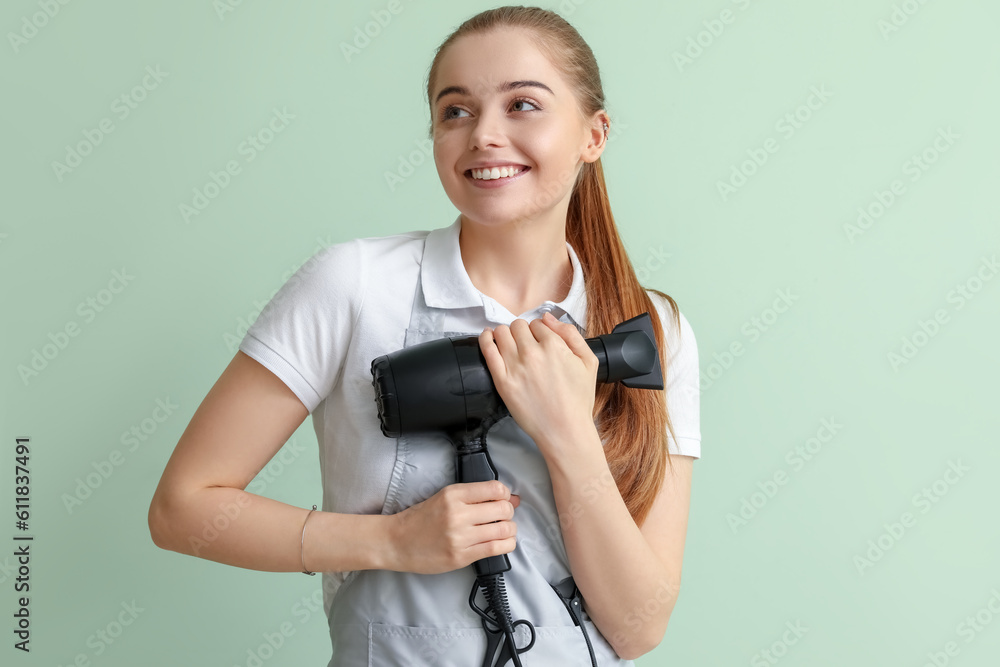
(200, 507)
(630, 577)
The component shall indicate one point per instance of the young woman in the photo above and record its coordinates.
(592, 485)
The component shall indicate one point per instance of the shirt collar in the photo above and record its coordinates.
(446, 283)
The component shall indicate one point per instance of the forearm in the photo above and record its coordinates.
(628, 590)
(231, 526)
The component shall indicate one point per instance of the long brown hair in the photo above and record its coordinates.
(632, 423)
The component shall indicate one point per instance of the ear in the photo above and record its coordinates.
(597, 136)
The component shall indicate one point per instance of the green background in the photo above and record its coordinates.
(680, 128)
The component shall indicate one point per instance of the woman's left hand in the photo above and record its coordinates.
(545, 373)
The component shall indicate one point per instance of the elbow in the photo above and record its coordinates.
(161, 515)
(639, 645)
(649, 627)
(154, 520)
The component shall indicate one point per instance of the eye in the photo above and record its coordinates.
(450, 112)
(446, 113)
(522, 101)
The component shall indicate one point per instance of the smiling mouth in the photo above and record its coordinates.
(495, 174)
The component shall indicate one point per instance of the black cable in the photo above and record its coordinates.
(569, 593)
(586, 637)
(495, 592)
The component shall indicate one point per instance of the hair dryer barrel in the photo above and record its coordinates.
(445, 384)
(421, 388)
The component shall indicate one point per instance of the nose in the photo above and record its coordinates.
(488, 131)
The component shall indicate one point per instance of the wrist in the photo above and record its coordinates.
(566, 445)
(344, 542)
(376, 541)
(389, 556)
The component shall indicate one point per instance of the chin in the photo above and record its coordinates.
(495, 216)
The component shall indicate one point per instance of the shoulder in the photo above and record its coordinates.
(362, 250)
(676, 328)
(351, 263)
(338, 276)
(682, 377)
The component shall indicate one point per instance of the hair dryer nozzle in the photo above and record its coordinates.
(629, 354)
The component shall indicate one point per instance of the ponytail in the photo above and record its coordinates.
(632, 423)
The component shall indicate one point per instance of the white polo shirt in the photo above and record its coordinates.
(351, 302)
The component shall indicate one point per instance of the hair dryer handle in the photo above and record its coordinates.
(477, 466)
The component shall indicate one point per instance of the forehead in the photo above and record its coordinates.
(481, 62)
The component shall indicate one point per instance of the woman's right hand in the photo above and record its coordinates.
(455, 527)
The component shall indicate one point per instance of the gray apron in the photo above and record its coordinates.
(384, 618)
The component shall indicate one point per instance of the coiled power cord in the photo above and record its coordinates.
(500, 626)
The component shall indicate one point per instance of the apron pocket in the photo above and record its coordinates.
(404, 646)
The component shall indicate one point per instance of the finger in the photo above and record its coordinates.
(490, 532)
(483, 492)
(496, 510)
(515, 500)
(505, 342)
(492, 355)
(491, 548)
(570, 334)
(543, 331)
(521, 332)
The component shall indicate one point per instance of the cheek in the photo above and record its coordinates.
(555, 158)
(447, 148)
(551, 149)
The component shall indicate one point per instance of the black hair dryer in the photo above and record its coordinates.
(445, 385)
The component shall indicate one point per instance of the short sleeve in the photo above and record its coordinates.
(303, 332)
(682, 378)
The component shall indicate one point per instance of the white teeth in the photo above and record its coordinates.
(495, 172)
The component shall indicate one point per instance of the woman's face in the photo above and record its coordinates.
(497, 100)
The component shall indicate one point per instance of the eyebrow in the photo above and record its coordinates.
(502, 88)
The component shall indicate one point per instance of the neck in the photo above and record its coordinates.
(519, 265)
